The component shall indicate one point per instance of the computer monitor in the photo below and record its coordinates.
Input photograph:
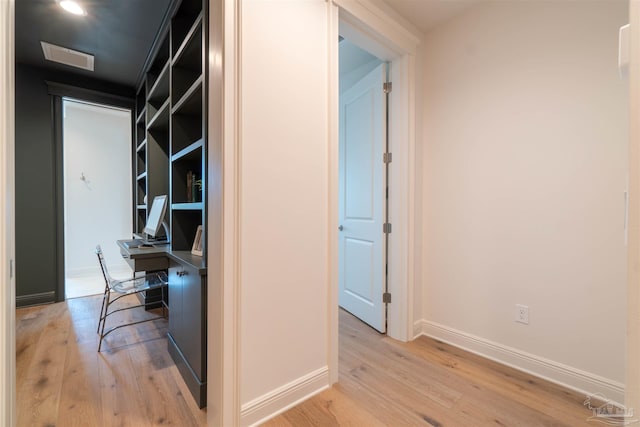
(156, 227)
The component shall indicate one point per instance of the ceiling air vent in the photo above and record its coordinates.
(67, 56)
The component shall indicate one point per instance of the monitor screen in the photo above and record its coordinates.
(156, 216)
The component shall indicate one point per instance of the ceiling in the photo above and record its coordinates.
(119, 33)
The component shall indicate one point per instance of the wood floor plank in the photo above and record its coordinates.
(80, 401)
(410, 370)
(133, 382)
(492, 377)
(171, 406)
(38, 394)
(30, 325)
(330, 408)
(429, 383)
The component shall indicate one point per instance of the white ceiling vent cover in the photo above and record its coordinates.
(67, 56)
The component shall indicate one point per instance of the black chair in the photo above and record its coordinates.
(122, 288)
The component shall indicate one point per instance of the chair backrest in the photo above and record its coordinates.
(103, 266)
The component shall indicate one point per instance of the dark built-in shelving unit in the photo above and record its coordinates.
(170, 158)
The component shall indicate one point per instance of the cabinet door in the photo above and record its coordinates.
(194, 321)
(176, 328)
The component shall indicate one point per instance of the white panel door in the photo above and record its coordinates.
(362, 199)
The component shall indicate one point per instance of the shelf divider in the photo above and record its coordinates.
(164, 74)
(187, 39)
(188, 150)
(193, 206)
(194, 87)
(162, 111)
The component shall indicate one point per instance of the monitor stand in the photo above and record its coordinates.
(159, 240)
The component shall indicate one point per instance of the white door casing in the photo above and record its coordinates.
(362, 200)
(7, 215)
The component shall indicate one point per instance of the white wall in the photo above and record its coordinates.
(524, 170)
(283, 181)
(97, 143)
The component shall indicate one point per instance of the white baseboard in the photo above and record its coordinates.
(117, 270)
(82, 272)
(558, 373)
(279, 400)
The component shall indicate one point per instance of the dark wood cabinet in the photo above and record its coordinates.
(188, 321)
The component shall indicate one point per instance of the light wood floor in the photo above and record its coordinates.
(429, 383)
(63, 381)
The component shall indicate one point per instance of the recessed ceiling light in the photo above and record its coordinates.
(72, 7)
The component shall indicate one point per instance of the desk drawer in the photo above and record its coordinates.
(158, 262)
(151, 264)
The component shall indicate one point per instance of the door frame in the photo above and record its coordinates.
(632, 375)
(58, 91)
(372, 28)
(7, 215)
(59, 113)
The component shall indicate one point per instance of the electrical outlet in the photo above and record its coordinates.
(522, 314)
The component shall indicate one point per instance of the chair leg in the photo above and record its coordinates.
(102, 311)
(103, 318)
(163, 305)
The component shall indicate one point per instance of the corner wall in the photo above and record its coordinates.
(524, 171)
(283, 191)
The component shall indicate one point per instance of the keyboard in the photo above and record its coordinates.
(133, 243)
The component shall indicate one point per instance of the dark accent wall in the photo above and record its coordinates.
(36, 173)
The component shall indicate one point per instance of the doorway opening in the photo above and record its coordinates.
(362, 181)
(97, 191)
(392, 44)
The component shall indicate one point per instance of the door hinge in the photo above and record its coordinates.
(386, 298)
(387, 157)
(386, 228)
(10, 269)
(387, 87)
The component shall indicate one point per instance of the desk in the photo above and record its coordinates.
(150, 259)
(187, 302)
(145, 259)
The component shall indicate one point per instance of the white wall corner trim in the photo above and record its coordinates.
(7, 215)
(332, 191)
(558, 373)
(283, 398)
(223, 351)
(632, 374)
